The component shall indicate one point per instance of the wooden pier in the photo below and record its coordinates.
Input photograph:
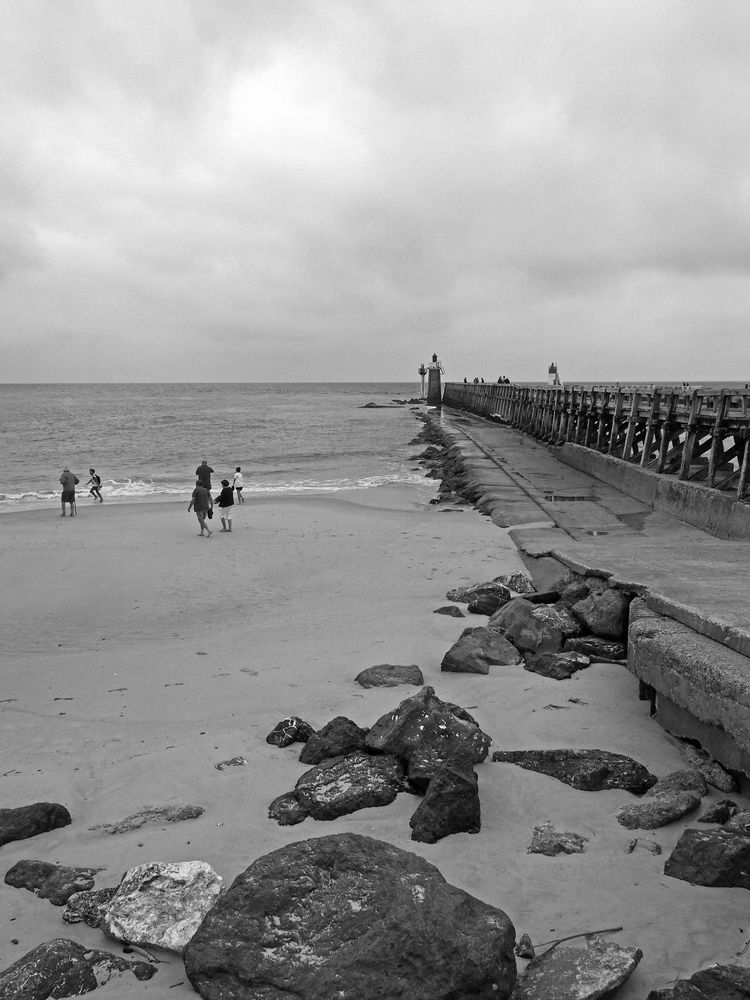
(698, 435)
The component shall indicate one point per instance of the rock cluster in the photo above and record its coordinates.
(424, 746)
(554, 634)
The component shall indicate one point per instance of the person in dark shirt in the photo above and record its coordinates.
(203, 472)
(225, 500)
(203, 505)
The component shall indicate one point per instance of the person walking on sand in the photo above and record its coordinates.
(203, 472)
(69, 482)
(95, 482)
(225, 500)
(238, 484)
(203, 505)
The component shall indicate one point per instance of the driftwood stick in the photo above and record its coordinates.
(604, 930)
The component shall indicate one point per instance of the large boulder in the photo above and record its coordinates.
(160, 905)
(342, 785)
(604, 612)
(587, 973)
(63, 968)
(476, 649)
(337, 738)
(424, 725)
(27, 821)
(711, 857)
(56, 883)
(450, 805)
(392, 674)
(354, 918)
(486, 604)
(587, 770)
(527, 626)
(719, 982)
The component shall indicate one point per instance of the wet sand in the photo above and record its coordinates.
(137, 655)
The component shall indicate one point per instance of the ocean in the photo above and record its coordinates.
(146, 440)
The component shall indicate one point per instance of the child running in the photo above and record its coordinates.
(96, 483)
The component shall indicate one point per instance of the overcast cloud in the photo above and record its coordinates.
(260, 190)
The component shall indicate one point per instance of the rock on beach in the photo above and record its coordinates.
(350, 917)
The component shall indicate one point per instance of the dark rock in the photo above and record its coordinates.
(524, 948)
(465, 595)
(450, 805)
(720, 982)
(63, 968)
(88, 907)
(599, 650)
(28, 821)
(451, 610)
(711, 857)
(337, 738)
(352, 917)
(542, 597)
(151, 814)
(559, 666)
(519, 622)
(575, 588)
(390, 674)
(711, 770)
(587, 770)
(657, 811)
(288, 731)
(53, 882)
(424, 724)
(486, 604)
(476, 649)
(604, 612)
(680, 781)
(286, 810)
(343, 785)
(584, 973)
(231, 762)
(719, 812)
(546, 840)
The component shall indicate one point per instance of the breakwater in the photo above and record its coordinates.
(695, 436)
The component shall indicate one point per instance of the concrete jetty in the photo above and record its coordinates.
(689, 632)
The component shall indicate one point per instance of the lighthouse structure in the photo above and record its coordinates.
(553, 376)
(422, 371)
(434, 390)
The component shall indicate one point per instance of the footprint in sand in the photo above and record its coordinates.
(247, 670)
(177, 684)
(112, 690)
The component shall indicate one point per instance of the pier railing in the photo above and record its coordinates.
(692, 434)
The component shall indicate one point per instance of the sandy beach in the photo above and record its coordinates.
(137, 655)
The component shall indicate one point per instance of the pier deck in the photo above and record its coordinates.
(560, 516)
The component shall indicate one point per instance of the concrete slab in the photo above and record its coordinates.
(685, 573)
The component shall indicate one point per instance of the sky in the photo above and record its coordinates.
(334, 190)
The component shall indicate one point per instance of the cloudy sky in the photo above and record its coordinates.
(257, 190)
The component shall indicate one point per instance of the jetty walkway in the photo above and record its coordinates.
(689, 634)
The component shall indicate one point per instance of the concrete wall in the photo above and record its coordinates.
(715, 512)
